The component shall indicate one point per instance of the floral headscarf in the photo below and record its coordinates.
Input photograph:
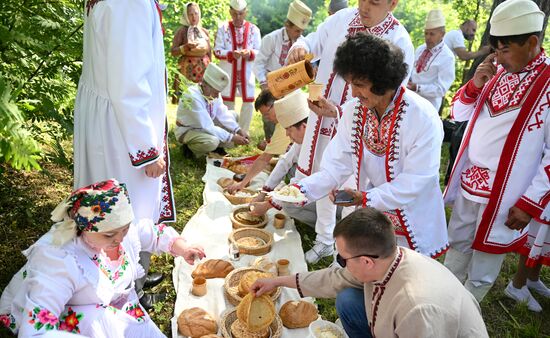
(100, 207)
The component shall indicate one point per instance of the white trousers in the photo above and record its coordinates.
(322, 213)
(245, 116)
(476, 269)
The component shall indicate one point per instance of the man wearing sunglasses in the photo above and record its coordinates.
(401, 292)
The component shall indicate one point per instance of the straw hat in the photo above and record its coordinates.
(216, 77)
(299, 14)
(435, 19)
(292, 108)
(237, 5)
(516, 17)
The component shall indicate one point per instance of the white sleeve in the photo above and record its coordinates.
(226, 118)
(52, 276)
(127, 27)
(337, 163)
(445, 78)
(457, 40)
(420, 167)
(199, 113)
(156, 238)
(260, 63)
(221, 50)
(256, 42)
(283, 166)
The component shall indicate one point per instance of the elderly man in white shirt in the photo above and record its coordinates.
(455, 40)
(203, 122)
(434, 66)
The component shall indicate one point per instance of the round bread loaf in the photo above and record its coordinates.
(256, 313)
(195, 323)
(298, 314)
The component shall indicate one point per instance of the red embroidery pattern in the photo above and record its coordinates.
(284, 51)
(538, 122)
(422, 61)
(510, 89)
(380, 287)
(475, 180)
(388, 24)
(142, 157)
(394, 219)
(167, 209)
(376, 136)
(312, 148)
(90, 4)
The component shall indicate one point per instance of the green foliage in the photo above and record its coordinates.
(40, 53)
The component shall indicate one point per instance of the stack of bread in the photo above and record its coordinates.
(254, 316)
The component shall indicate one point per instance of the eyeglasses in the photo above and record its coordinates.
(343, 261)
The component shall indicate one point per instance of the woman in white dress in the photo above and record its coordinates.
(79, 277)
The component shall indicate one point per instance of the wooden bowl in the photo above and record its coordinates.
(236, 200)
(266, 236)
(231, 285)
(238, 224)
(230, 316)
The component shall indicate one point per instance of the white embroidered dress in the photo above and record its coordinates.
(504, 158)
(229, 39)
(77, 289)
(120, 119)
(395, 162)
(433, 72)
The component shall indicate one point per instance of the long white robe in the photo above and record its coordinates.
(120, 119)
(273, 53)
(395, 163)
(74, 288)
(435, 74)
(226, 43)
(504, 158)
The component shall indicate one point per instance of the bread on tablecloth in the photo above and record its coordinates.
(195, 323)
(213, 268)
(298, 314)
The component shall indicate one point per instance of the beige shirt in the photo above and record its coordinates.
(418, 297)
(279, 141)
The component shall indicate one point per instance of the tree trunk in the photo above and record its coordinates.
(544, 6)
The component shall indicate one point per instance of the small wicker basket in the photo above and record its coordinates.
(265, 236)
(231, 285)
(239, 224)
(229, 317)
(236, 200)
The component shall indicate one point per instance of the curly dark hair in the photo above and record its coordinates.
(367, 57)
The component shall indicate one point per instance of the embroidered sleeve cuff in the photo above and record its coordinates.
(298, 285)
(470, 92)
(252, 56)
(530, 207)
(230, 57)
(340, 111)
(365, 199)
(144, 157)
(275, 204)
(218, 54)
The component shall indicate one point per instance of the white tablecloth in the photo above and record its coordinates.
(210, 227)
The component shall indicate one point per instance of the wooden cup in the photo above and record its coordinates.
(199, 286)
(315, 90)
(279, 221)
(283, 267)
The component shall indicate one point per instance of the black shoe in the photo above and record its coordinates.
(220, 151)
(187, 153)
(153, 279)
(148, 299)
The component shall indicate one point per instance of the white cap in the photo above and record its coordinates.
(516, 17)
(435, 19)
(291, 109)
(299, 14)
(216, 77)
(237, 5)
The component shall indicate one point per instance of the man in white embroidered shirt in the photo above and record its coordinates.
(500, 182)
(402, 293)
(203, 122)
(275, 46)
(434, 66)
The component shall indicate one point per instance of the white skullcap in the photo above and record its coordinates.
(516, 17)
(299, 14)
(291, 109)
(216, 77)
(237, 5)
(435, 19)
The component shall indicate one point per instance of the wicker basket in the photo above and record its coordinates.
(231, 285)
(229, 317)
(240, 200)
(224, 182)
(239, 225)
(266, 236)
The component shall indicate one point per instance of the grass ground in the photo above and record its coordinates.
(26, 200)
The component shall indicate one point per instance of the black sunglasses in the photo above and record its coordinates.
(343, 261)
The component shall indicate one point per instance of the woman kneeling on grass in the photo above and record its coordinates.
(80, 275)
